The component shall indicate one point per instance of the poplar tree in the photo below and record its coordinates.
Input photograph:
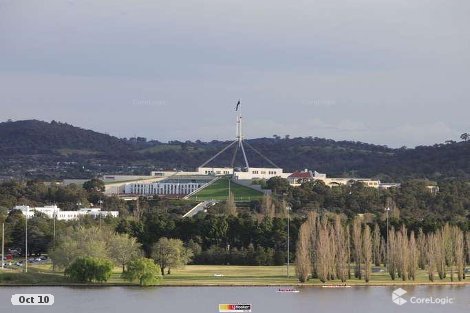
(430, 255)
(376, 252)
(413, 257)
(367, 252)
(342, 254)
(303, 263)
(357, 244)
(322, 248)
(230, 206)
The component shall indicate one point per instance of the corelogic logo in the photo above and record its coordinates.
(397, 296)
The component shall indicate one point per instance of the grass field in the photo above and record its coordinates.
(219, 191)
(212, 275)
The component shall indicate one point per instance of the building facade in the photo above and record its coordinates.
(175, 186)
(54, 212)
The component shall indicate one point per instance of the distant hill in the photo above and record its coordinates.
(37, 137)
(36, 149)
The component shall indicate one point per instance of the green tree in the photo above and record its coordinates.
(94, 185)
(89, 269)
(123, 249)
(278, 185)
(80, 242)
(144, 270)
(170, 253)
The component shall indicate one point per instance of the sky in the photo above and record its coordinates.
(389, 72)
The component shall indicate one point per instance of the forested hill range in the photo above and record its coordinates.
(36, 149)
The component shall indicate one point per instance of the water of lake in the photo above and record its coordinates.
(263, 299)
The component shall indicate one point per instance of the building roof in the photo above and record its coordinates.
(304, 174)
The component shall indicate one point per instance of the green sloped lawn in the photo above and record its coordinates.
(219, 191)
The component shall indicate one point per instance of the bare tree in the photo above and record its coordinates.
(303, 263)
(413, 257)
(367, 252)
(383, 251)
(312, 220)
(439, 254)
(357, 246)
(459, 254)
(376, 245)
(467, 245)
(230, 206)
(323, 253)
(267, 206)
(421, 245)
(342, 254)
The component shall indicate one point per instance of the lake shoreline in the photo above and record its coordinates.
(337, 286)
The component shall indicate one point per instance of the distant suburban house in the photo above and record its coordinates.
(300, 177)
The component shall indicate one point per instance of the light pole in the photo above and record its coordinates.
(101, 208)
(387, 209)
(288, 208)
(3, 243)
(26, 242)
(54, 220)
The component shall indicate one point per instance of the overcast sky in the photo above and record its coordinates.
(394, 72)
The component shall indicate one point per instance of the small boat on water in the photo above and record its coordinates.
(287, 290)
(337, 286)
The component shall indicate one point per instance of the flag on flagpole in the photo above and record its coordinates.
(238, 105)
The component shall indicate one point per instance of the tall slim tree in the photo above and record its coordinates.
(323, 253)
(357, 247)
(459, 254)
(376, 239)
(303, 263)
(341, 250)
(430, 255)
(367, 252)
(268, 209)
(421, 244)
(230, 206)
(413, 257)
(392, 257)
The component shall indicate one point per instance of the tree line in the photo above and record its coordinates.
(417, 204)
(89, 254)
(331, 247)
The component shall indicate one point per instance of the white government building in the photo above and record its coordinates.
(53, 211)
(175, 185)
(185, 183)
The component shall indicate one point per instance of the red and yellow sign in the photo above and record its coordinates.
(228, 308)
